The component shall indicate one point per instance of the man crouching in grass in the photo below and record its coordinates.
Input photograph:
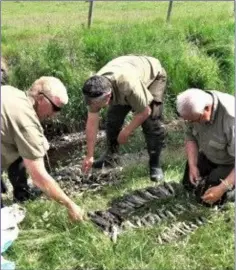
(209, 144)
(22, 134)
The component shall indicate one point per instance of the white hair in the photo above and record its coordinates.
(193, 101)
(51, 87)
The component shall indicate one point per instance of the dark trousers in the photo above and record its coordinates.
(18, 178)
(212, 173)
(153, 129)
(3, 190)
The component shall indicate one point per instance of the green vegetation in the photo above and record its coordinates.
(196, 49)
(48, 38)
(54, 243)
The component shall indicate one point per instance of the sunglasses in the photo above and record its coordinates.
(54, 106)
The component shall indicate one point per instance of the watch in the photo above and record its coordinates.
(226, 183)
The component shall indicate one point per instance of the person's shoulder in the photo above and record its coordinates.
(227, 102)
(152, 59)
(9, 90)
(17, 104)
(14, 97)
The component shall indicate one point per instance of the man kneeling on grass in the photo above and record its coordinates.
(22, 134)
(209, 144)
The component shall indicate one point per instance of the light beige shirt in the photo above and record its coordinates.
(130, 76)
(21, 132)
(216, 139)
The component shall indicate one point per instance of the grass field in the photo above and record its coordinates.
(54, 243)
(196, 49)
(51, 38)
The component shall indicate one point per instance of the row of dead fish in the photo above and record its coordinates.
(106, 219)
(122, 215)
(72, 180)
(180, 229)
(139, 198)
(113, 225)
(128, 204)
(159, 215)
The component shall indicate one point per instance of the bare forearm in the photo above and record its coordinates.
(138, 120)
(51, 188)
(191, 149)
(91, 133)
(46, 183)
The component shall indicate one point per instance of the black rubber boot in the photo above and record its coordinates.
(3, 187)
(2, 205)
(18, 178)
(154, 132)
(25, 194)
(108, 159)
(156, 173)
(115, 119)
(154, 151)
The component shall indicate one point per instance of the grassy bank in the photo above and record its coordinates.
(48, 38)
(196, 49)
(49, 241)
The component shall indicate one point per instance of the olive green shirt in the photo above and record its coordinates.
(216, 139)
(130, 76)
(21, 132)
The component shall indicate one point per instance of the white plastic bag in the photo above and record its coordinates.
(10, 217)
(7, 265)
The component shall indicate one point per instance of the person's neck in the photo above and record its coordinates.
(34, 103)
(211, 107)
(32, 100)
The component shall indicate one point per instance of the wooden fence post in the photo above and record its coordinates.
(90, 14)
(169, 10)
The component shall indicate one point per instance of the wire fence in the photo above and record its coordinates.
(91, 9)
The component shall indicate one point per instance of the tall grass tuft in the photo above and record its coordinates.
(195, 53)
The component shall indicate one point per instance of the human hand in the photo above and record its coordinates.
(87, 164)
(123, 136)
(194, 175)
(213, 194)
(75, 212)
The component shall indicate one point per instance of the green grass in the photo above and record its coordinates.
(54, 243)
(51, 38)
(196, 49)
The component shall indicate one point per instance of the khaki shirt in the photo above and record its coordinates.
(21, 132)
(130, 77)
(216, 139)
